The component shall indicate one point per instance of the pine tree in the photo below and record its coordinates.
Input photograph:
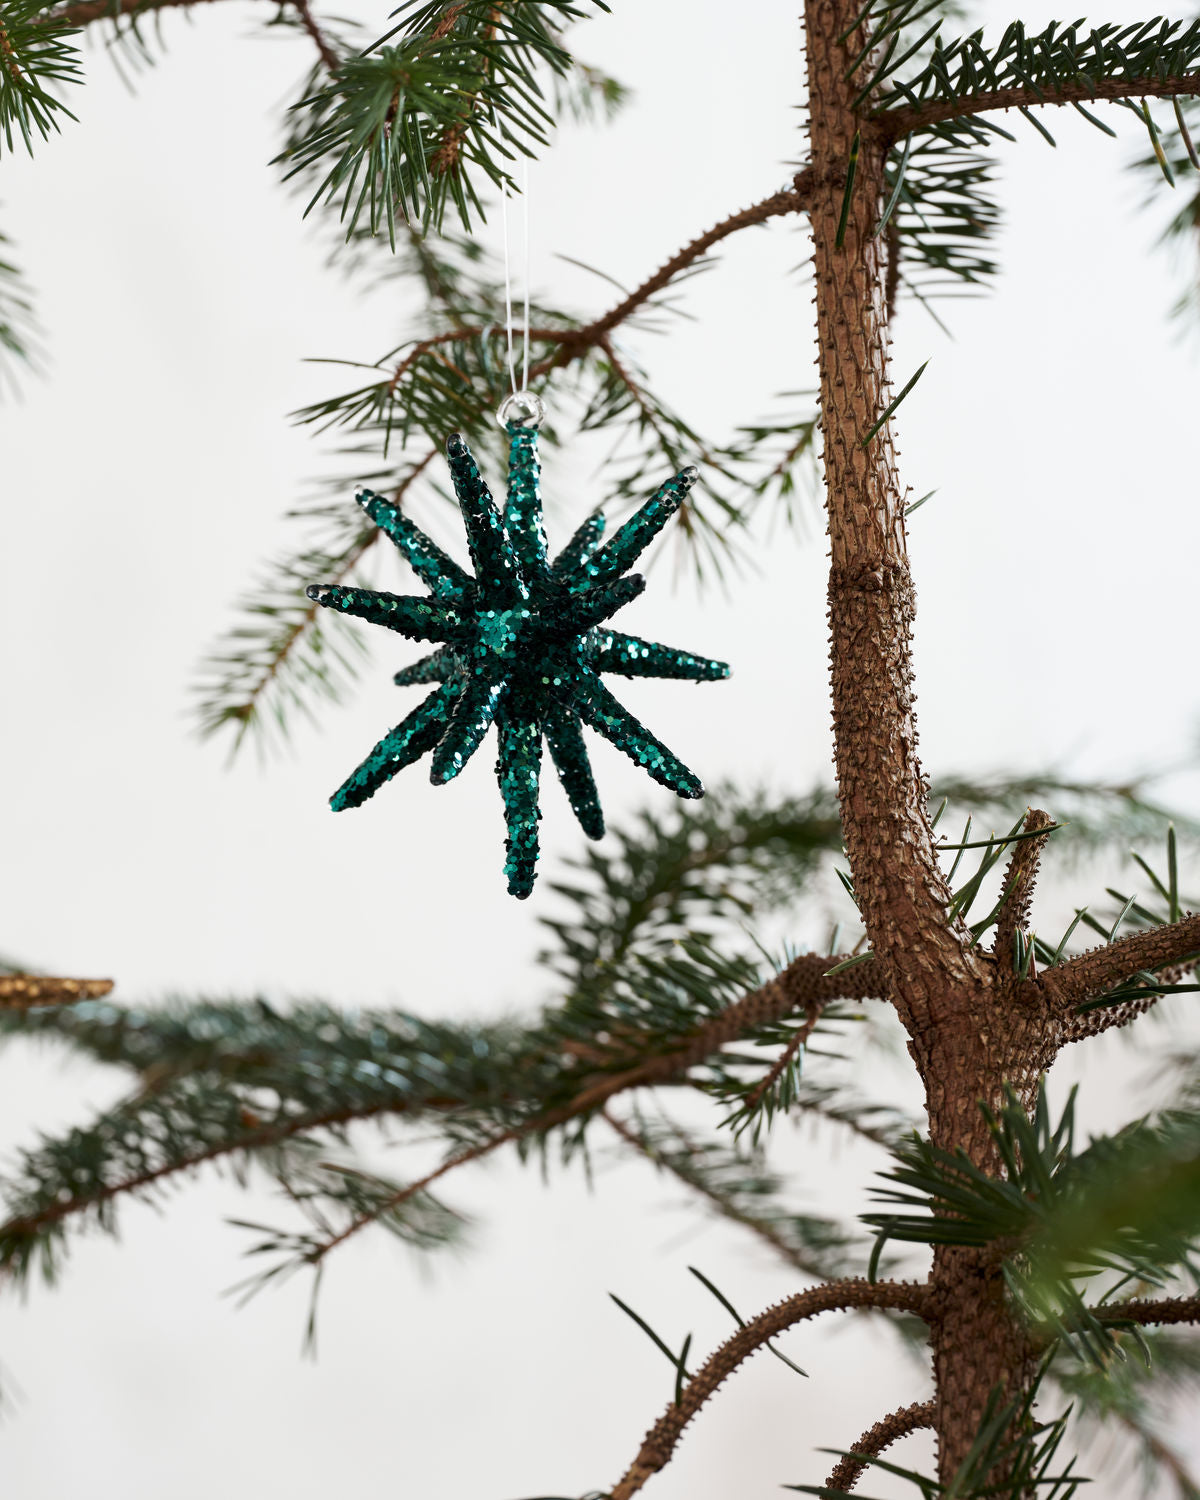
(1058, 1269)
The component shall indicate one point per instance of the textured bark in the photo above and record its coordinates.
(832, 1296)
(21, 991)
(895, 1426)
(885, 818)
(973, 1026)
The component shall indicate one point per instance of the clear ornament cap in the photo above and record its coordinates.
(521, 409)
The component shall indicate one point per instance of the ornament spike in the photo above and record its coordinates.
(496, 572)
(408, 742)
(439, 572)
(518, 768)
(440, 666)
(519, 645)
(523, 509)
(598, 707)
(470, 721)
(569, 753)
(579, 548)
(632, 539)
(597, 604)
(630, 656)
(413, 615)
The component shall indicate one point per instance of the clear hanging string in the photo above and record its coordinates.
(521, 407)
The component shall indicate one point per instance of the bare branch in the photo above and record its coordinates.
(328, 56)
(832, 1296)
(895, 124)
(1069, 985)
(1019, 880)
(784, 1060)
(576, 341)
(84, 12)
(1148, 1311)
(849, 1470)
(1084, 1024)
(20, 991)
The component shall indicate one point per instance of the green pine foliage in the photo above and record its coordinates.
(37, 57)
(1000, 1466)
(19, 339)
(1123, 1210)
(406, 130)
(658, 936)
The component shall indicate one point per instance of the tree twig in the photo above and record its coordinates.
(1149, 1311)
(777, 998)
(1069, 985)
(79, 13)
(21, 991)
(895, 124)
(1019, 881)
(848, 1471)
(784, 1060)
(574, 342)
(831, 1296)
(324, 48)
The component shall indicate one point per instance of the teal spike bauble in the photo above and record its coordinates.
(520, 645)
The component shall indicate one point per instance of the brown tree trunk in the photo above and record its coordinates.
(969, 1033)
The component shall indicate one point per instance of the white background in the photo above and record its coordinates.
(146, 477)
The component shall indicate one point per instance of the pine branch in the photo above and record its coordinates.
(36, 58)
(322, 43)
(408, 128)
(777, 997)
(1071, 984)
(37, 1229)
(19, 340)
(205, 1088)
(19, 991)
(834, 1296)
(786, 1059)
(1159, 1455)
(83, 12)
(901, 122)
(1149, 1312)
(1128, 1204)
(666, 877)
(898, 1424)
(1062, 64)
(789, 201)
(575, 341)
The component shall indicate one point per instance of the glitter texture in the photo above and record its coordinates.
(521, 646)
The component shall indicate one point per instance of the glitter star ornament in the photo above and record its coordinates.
(521, 645)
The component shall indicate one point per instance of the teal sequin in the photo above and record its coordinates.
(522, 644)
